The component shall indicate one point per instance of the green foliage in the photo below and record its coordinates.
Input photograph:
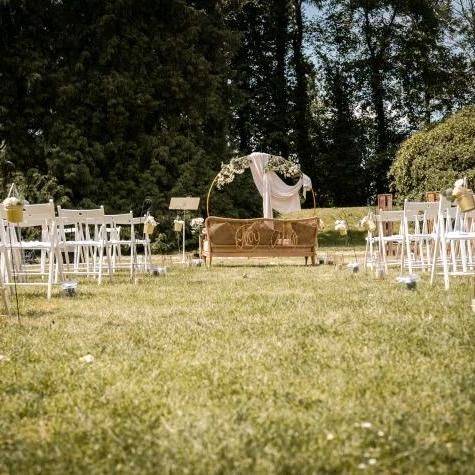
(118, 101)
(431, 160)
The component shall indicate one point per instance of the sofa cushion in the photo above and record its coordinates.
(222, 234)
(306, 233)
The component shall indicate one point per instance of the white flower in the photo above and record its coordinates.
(87, 359)
(372, 461)
(150, 220)
(459, 187)
(362, 466)
(330, 436)
(341, 225)
(196, 225)
(459, 183)
(13, 201)
(367, 222)
(380, 433)
(4, 359)
(197, 222)
(366, 425)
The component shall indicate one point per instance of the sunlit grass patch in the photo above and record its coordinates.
(271, 367)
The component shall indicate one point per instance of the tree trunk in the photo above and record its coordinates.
(302, 114)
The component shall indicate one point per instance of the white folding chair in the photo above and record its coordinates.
(143, 241)
(419, 235)
(121, 233)
(37, 233)
(389, 241)
(372, 240)
(454, 241)
(88, 240)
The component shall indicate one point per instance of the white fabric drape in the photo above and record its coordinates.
(275, 193)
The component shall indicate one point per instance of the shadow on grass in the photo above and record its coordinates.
(263, 265)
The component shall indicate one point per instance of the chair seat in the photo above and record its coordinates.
(459, 235)
(31, 245)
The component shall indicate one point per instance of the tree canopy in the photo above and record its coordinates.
(435, 158)
(117, 101)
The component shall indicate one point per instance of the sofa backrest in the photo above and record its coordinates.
(249, 233)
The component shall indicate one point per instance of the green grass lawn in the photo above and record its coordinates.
(328, 237)
(248, 367)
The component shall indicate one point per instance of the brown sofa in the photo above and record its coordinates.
(261, 237)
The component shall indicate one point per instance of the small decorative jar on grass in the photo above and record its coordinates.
(13, 206)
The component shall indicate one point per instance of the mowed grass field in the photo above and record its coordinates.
(248, 367)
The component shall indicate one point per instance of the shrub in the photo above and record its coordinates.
(432, 159)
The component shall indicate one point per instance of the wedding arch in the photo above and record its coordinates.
(266, 236)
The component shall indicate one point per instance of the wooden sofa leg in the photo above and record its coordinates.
(306, 260)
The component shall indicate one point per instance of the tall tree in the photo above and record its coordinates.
(128, 99)
(303, 71)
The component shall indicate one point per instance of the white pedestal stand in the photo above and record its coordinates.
(184, 204)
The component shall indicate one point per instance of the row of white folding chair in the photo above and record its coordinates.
(97, 236)
(405, 237)
(454, 242)
(82, 233)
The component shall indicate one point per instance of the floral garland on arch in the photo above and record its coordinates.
(237, 166)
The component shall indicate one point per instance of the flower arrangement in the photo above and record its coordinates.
(237, 166)
(280, 165)
(196, 225)
(13, 205)
(461, 194)
(149, 224)
(368, 223)
(341, 226)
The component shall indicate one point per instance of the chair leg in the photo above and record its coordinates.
(50, 273)
(109, 263)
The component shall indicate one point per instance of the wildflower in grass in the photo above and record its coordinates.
(372, 461)
(330, 436)
(4, 359)
(362, 466)
(380, 433)
(87, 359)
(366, 425)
